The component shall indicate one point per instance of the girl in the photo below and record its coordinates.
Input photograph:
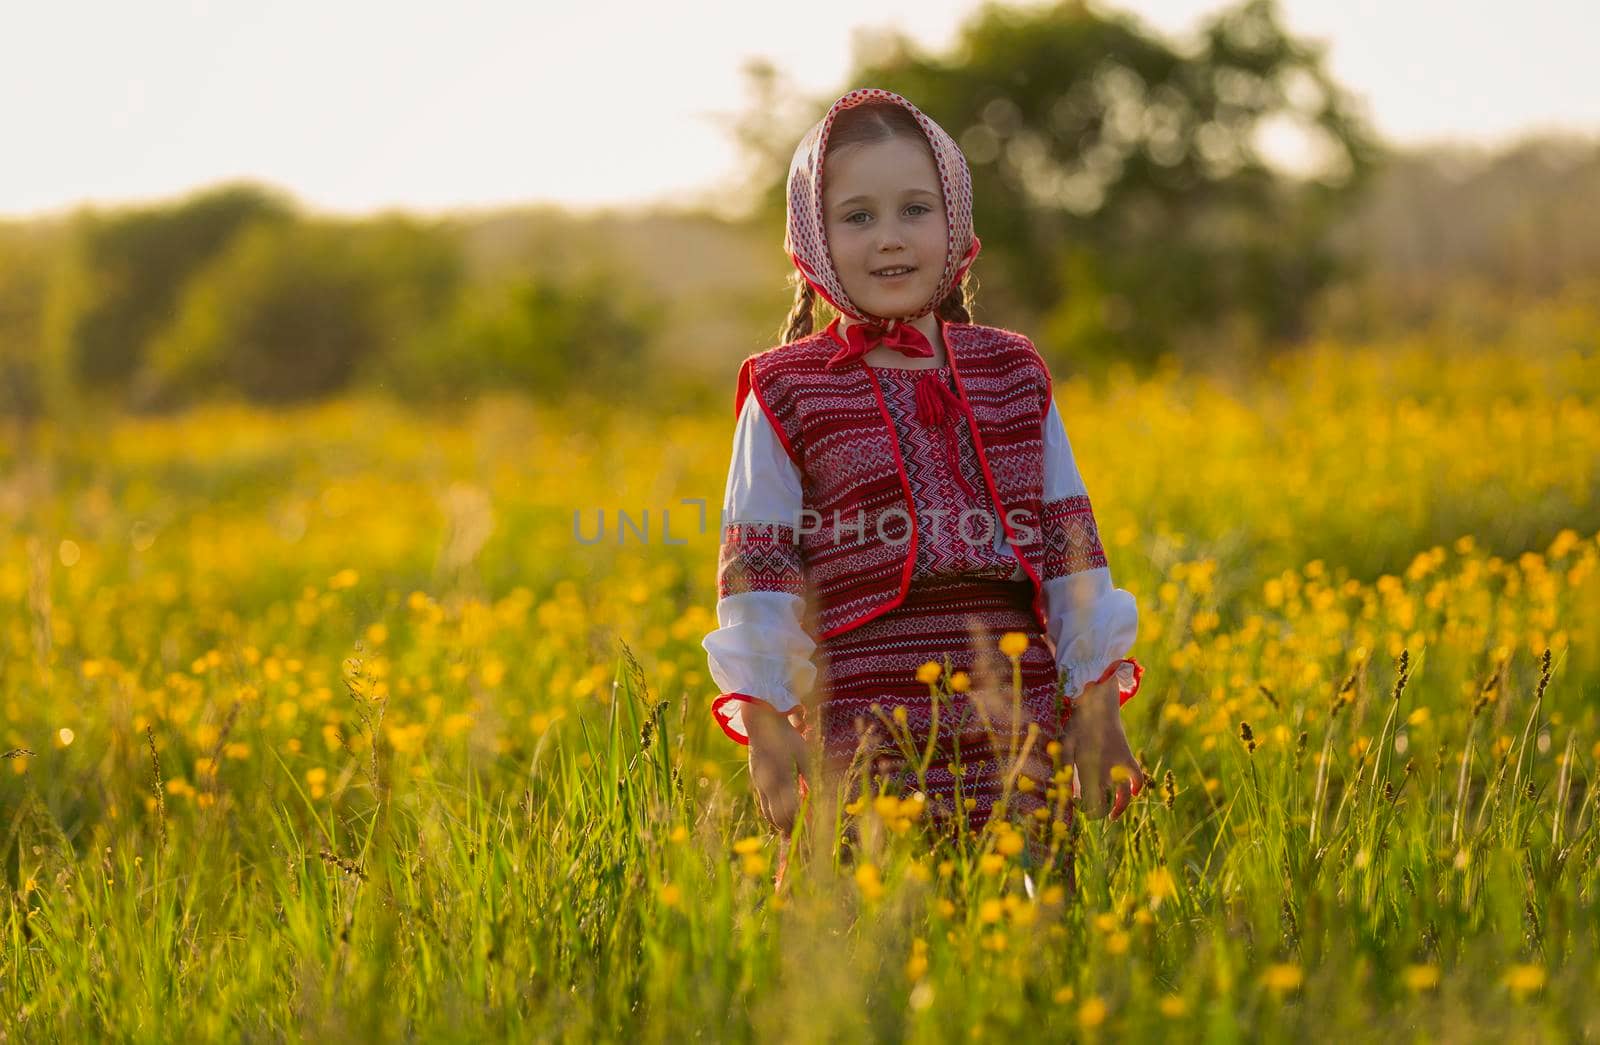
(902, 491)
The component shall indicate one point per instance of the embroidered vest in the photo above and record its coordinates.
(854, 544)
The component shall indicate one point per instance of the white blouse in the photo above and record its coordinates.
(761, 649)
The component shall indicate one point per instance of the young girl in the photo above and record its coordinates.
(902, 484)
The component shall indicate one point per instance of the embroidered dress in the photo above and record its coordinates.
(964, 578)
(764, 651)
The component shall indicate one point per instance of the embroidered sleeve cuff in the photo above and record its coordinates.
(1078, 677)
(728, 710)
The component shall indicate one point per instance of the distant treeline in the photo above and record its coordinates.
(1125, 212)
(234, 291)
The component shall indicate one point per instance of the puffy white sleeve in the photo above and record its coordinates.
(1092, 623)
(760, 650)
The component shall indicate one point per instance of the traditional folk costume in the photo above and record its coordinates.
(875, 517)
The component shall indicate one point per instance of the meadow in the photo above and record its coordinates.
(323, 723)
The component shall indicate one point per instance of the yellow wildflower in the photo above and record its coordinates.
(1420, 977)
(1282, 977)
(1524, 980)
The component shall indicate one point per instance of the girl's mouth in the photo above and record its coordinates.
(895, 272)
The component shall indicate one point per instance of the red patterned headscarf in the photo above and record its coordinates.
(806, 239)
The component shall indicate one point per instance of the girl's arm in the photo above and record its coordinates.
(1092, 623)
(760, 652)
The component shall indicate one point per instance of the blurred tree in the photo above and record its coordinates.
(1121, 187)
(1464, 231)
(23, 293)
(292, 310)
(544, 337)
(136, 264)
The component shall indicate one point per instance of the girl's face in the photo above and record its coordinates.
(887, 229)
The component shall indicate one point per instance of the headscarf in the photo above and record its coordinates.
(806, 238)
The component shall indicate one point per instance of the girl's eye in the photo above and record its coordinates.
(919, 207)
(850, 219)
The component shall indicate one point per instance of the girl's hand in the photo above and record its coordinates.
(1104, 769)
(777, 753)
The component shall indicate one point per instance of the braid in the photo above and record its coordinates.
(954, 307)
(799, 323)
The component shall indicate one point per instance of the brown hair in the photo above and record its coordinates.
(870, 122)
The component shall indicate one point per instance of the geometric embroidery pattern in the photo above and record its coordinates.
(1071, 538)
(942, 551)
(758, 556)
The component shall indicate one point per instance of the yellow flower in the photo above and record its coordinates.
(746, 846)
(1173, 1006)
(991, 863)
(670, 895)
(1092, 1012)
(1159, 884)
(754, 864)
(1117, 943)
(869, 881)
(1420, 977)
(1063, 995)
(899, 716)
(345, 578)
(990, 911)
(1282, 977)
(1013, 643)
(1010, 843)
(929, 673)
(960, 682)
(679, 833)
(1524, 980)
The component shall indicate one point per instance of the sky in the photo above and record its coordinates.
(356, 106)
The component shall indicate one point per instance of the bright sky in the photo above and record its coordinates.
(357, 105)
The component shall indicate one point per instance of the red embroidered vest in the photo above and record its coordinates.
(853, 548)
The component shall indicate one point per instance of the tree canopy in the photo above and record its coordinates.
(1122, 192)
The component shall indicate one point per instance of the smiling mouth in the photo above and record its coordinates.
(895, 270)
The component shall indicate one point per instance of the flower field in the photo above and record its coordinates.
(339, 723)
